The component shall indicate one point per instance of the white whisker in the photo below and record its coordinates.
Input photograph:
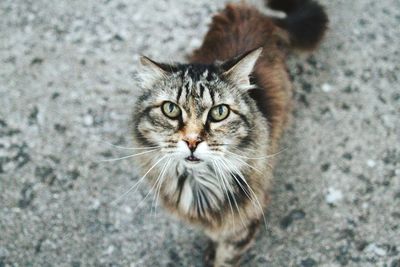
(198, 201)
(234, 201)
(129, 156)
(251, 190)
(263, 157)
(225, 189)
(138, 182)
(155, 185)
(236, 158)
(150, 191)
(233, 175)
(158, 189)
(247, 164)
(128, 148)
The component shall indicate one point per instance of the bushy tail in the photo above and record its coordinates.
(306, 21)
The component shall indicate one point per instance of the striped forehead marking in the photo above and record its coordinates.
(194, 83)
(198, 87)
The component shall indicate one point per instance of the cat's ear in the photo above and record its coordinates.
(152, 71)
(239, 69)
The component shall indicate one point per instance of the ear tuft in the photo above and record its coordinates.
(240, 69)
(150, 71)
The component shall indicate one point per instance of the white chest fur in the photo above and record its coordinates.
(200, 187)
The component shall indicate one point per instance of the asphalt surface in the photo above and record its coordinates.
(67, 84)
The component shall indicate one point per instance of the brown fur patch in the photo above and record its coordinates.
(238, 29)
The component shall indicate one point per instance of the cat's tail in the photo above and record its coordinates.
(305, 21)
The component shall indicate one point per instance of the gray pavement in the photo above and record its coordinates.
(67, 83)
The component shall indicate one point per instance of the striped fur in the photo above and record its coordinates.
(217, 174)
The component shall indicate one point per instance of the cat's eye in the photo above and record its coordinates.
(219, 113)
(171, 110)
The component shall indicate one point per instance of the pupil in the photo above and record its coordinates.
(220, 110)
(171, 107)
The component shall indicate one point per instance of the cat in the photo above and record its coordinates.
(211, 127)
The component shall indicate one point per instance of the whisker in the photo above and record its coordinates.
(198, 201)
(147, 195)
(138, 182)
(225, 191)
(155, 185)
(128, 148)
(247, 164)
(244, 190)
(236, 158)
(150, 191)
(129, 156)
(158, 189)
(263, 157)
(224, 161)
(251, 190)
(235, 202)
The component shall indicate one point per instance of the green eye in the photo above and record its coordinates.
(171, 110)
(219, 113)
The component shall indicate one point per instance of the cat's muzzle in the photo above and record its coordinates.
(192, 159)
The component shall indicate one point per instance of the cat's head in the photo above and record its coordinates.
(197, 113)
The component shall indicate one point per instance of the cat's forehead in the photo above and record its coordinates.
(202, 86)
(201, 83)
(197, 73)
(194, 87)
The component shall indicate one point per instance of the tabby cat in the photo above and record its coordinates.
(212, 126)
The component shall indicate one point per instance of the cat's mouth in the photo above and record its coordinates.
(192, 159)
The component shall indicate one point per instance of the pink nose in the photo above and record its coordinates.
(192, 143)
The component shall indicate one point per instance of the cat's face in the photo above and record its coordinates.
(197, 114)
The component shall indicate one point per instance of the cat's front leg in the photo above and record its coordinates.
(230, 247)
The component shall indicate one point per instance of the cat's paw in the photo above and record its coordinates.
(209, 255)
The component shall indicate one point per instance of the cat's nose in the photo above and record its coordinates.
(192, 143)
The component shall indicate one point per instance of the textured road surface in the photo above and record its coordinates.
(67, 82)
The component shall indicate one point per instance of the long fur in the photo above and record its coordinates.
(260, 107)
(306, 21)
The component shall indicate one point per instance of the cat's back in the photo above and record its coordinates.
(238, 29)
(235, 30)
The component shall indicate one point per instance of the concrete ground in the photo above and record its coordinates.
(67, 83)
